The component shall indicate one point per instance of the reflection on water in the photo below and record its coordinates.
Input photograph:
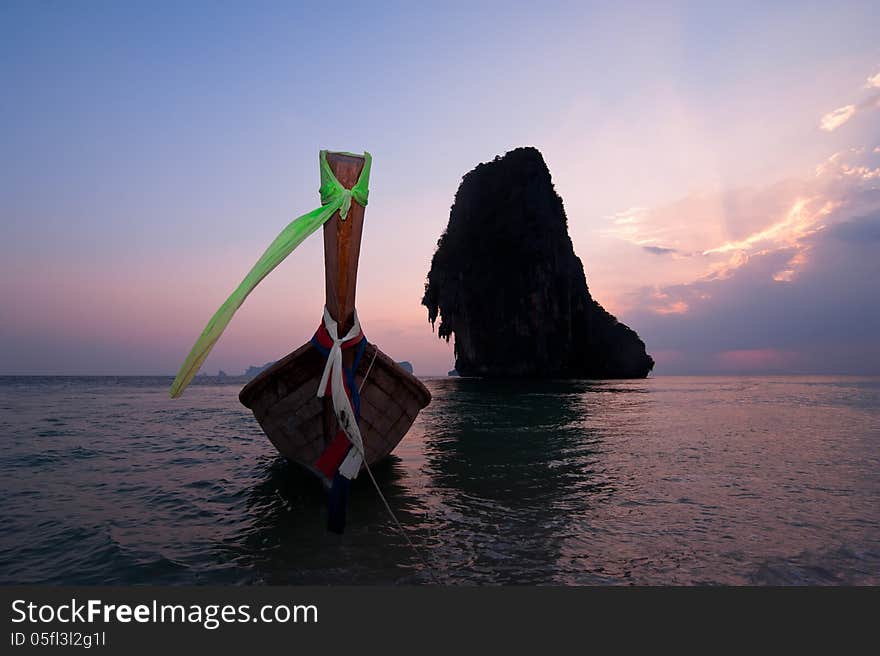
(665, 480)
(284, 539)
(509, 470)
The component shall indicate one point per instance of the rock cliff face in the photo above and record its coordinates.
(506, 283)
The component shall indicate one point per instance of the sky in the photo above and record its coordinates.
(719, 166)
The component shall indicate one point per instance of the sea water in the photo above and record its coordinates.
(667, 480)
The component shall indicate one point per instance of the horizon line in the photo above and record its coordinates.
(677, 375)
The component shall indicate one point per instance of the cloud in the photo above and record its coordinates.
(710, 236)
(871, 102)
(659, 250)
(800, 220)
(781, 277)
(855, 164)
(676, 307)
(860, 230)
(793, 290)
(833, 120)
(825, 320)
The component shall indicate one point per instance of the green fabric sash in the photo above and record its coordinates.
(333, 197)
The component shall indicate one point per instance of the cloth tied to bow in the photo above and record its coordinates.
(334, 197)
(339, 383)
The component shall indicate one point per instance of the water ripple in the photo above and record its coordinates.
(667, 480)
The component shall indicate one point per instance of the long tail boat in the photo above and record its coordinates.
(337, 403)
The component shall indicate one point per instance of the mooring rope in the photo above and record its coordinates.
(369, 369)
(400, 528)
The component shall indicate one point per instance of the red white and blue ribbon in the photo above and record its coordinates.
(345, 453)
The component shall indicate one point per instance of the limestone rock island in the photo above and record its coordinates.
(506, 283)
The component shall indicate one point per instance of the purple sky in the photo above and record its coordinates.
(720, 168)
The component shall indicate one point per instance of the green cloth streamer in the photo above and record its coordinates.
(333, 197)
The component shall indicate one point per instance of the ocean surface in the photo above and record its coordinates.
(667, 480)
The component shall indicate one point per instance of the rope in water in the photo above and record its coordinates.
(400, 528)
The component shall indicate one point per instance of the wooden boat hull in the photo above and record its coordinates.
(283, 399)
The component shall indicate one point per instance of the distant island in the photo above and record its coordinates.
(506, 283)
(253, 370)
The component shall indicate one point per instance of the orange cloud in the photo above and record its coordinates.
(677, 307)
(833, 120)
(709, 237)
(802, 220)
